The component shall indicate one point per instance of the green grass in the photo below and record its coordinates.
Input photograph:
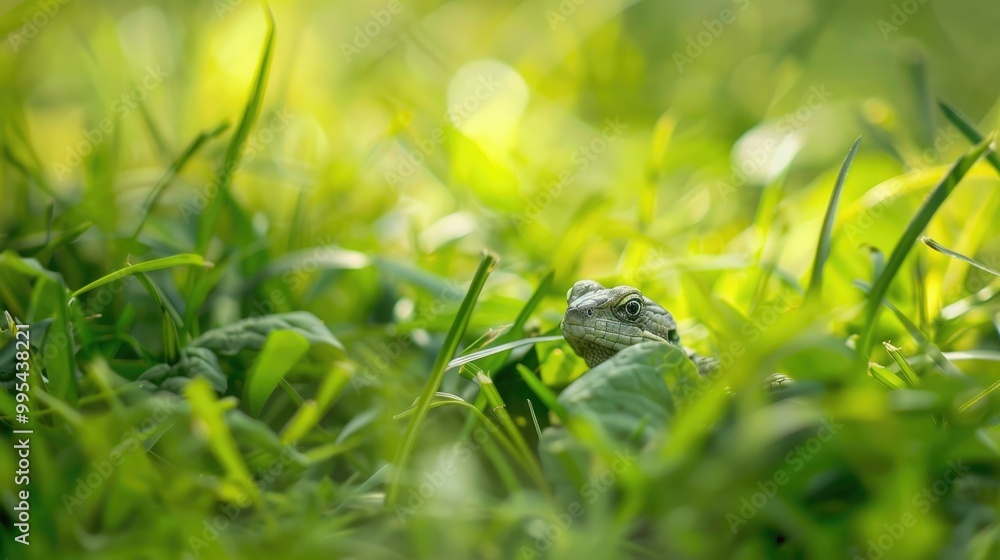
(313, 362)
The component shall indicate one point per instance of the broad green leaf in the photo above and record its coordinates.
(194, 362)
(281, 352)
(628, 400)
(638, 389)
(250, 334)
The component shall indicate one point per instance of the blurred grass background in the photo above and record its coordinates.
(687, 148)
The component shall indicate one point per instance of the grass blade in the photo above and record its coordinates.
(209, 422)
(916, 64)
(826, 234)
(499, 408)
(448, 349)
(234, 153)
(62, 238)
(493, 350)
(885, 377)
(927, 210)
(918, 337)
(172, 171)
(155, 264)
(547, 395)
(171, 340)
(985, 393)
(967, 128)
(942, 249)
(908, 374)
(515, 332)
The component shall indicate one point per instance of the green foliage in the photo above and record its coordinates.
(329, 328)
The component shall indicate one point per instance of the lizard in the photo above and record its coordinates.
(599, 322)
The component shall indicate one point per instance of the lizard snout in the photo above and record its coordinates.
(579, 314)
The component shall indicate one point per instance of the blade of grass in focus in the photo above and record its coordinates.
(985, 393)
(155, 264)
(967, 128)
(826, 234)
(917, 224)
(886, 378)
(908, 374)
(918, 337)
(955, 255)
(448, 349)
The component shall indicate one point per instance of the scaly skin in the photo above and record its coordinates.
(601, 321)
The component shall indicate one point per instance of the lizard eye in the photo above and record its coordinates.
(633, 307)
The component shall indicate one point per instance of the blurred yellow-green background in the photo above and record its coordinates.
(312, 185)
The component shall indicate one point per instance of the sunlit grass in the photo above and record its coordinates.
(250, 342)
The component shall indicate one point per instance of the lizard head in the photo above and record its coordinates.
(601, 321)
